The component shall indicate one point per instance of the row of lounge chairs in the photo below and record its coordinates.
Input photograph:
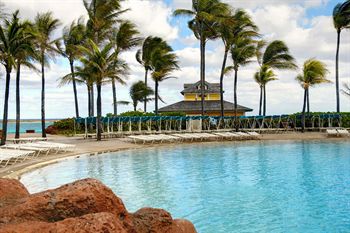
(26, 140)
(160, 138)
(338, 133)
(14, 153)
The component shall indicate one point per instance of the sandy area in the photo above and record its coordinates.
(91, 147)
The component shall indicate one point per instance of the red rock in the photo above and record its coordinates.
(159, 221)
(10, 191)
(80, 207)
(68, 201)
(100, 222)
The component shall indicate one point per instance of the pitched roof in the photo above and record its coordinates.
(194, 106)
(196, 88)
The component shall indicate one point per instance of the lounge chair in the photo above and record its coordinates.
(244, 135)
(255, 135)
(185, 136)
(332, 132)
(28, 148)
(62, 146)
(343, 132)
(143, 138)
(225, 135)
(26, 140)
(10, 156)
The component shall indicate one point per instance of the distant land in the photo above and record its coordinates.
(31, 120)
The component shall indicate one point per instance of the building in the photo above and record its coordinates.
(191, 105)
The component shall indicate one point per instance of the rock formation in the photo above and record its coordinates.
(83, 206)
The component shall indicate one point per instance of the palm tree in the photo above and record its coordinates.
(275, 56)
(314, 72)
(124, 38)
(103, 14)
(24, 57)
(13, 41)
(164, 63)
(139, 92)
(242, 50)
(237, 23)
(73, 36)
(101, 65)
(346, 90)
(262, 77)
(44, 27)
(144, 55)
(341, 20)
(205, 15)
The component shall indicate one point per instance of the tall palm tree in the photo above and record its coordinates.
(144, 55)
(139, 92)
(341, 20)
(164, 63)
(205, 15)
(314, 72)
(124, 38)
(73, 36)
(236, 23)
(13, 39)
(100, 63)
(24, 57)
(44, 26)
(275, 56)
(242, 50)
(262, 77)
(103, 14)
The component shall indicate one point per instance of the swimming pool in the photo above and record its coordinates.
(227, 187)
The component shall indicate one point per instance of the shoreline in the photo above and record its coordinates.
(90, 147)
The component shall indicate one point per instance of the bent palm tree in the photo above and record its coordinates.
(44, 27)
(314, 72)
(341, 20)
(242, 50)
(275, 56)
(124, 38)
(13, 40)
(262, 77)
(206, 14)
(100, 64)
(73, 36)
(144, 55)
(240, 23)
(164, 63)
(139, 92)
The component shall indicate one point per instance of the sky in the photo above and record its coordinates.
(304, 25)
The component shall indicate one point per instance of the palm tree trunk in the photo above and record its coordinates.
(202, 68)
(222, 83)
(89, 100)
(71, 63)
(99, 112)
(261, 97)
(235, 98)
(303, 112)
(43, 133)
(145, 102)
(135, 106)
(156, 96)
(6, 105)
(115, 110)
(18, 100)
(337, 70)
(92, 100)
(308, 102)
(264, 111)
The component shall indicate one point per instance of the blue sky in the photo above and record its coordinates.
(306, 27)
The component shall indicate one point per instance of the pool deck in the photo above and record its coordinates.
(92, 147)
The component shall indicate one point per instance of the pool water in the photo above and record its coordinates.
(226, 187)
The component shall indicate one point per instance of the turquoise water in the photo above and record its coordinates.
(11, 127)
(228, 187)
